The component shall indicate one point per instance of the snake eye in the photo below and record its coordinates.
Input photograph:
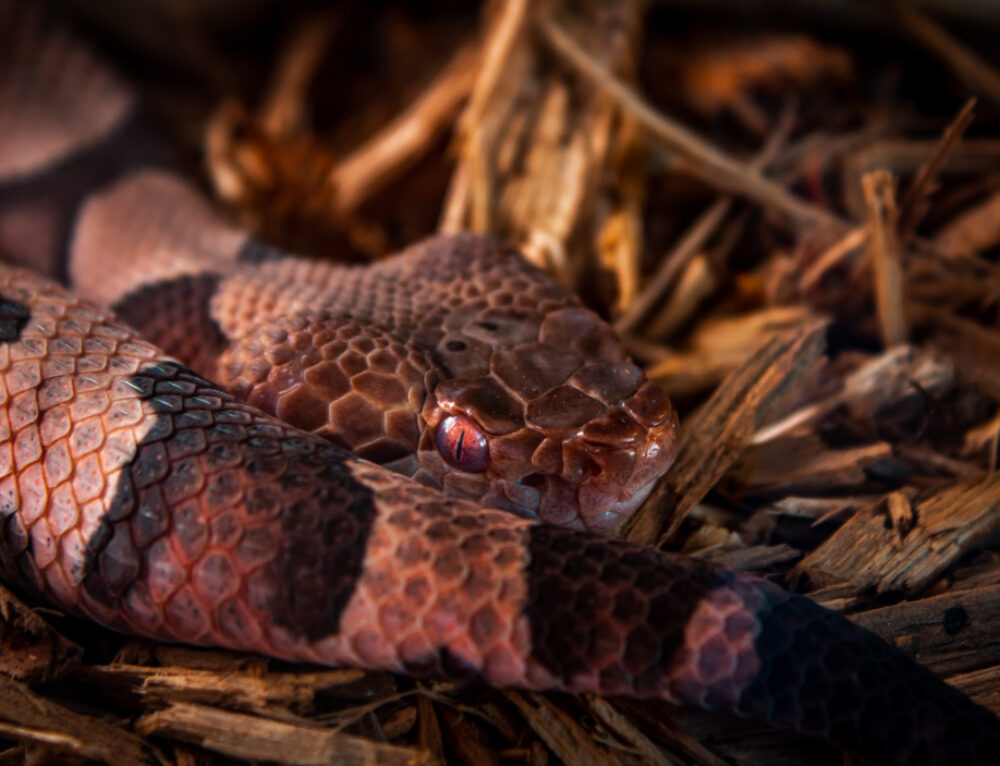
(462, 444)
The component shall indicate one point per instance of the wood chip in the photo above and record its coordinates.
(720, 345)
(239, 691)
(30, 649)
(693, 241)
(259, 739)
(720, 169)
(29, 717)
(871, 553)
(954, 632)
(983, 686)
(900, 513)
(715, 438)
(560, 731)
(638, 742)
(657, 718)
(804, 464)
(754, 557)
(820, 508)
(464, 738)
(894, 379)
(428, 729)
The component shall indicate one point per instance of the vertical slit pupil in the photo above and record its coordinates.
(462, 444)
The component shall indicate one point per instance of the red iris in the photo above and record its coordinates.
(462, 444)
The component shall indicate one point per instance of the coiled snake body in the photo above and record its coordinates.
(138, 493)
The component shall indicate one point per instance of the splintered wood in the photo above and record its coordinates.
(32, 651)
(256, 739)
(27, 717)
(714, 437)
(906, 557)
(536, 145)
(798, 241)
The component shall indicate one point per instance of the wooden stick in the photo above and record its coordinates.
(396, 146)
(886, 255)
(911, 208)
(261, 739)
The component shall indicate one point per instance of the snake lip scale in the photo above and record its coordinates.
(352, 465)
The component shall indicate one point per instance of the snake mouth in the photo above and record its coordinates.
(533, 480)
(588, 506)
(597, 484)
(602, 513)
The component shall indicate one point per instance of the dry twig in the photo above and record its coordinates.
(971, 68)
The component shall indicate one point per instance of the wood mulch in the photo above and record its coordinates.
(790, 212)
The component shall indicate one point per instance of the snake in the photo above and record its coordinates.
(412, 465)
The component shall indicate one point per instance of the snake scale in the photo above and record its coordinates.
(294, 506)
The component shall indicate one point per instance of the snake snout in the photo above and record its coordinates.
(616, 459)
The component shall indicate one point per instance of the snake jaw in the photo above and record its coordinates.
(612, 495)
(603, 513)
(601, 485)
(626, 451)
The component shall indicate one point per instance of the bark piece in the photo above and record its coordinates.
(31, 718)
(869, 552)
(31, 650)
(954, 632)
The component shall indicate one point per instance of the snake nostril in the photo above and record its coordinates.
(593, 467)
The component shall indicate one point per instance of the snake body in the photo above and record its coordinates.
(137, 492)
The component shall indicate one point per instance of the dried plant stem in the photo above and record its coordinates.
(504, 32)
(695, 237)
(851, 241)
(716, 167)
(674, 263)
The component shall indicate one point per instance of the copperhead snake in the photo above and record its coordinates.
(268, 476)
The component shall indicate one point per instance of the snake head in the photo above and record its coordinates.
(545, 414)
(471, 371)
